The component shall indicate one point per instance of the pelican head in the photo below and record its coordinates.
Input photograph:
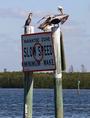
(60, 8)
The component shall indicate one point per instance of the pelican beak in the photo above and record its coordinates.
(64, 18)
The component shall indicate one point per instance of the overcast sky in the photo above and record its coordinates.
(76, 30)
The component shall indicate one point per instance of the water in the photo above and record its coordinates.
(75, 106)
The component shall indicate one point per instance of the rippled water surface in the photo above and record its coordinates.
(75, 106)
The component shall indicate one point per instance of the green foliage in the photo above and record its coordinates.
(45, 80)
(70, 80)
(11, 79)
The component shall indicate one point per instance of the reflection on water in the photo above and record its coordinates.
(75, 106)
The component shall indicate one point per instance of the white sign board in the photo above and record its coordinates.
(38, 52)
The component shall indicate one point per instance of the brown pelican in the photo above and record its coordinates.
(53, 20)
(28, 20)
(46, 24)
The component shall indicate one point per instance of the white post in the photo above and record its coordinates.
(58, 73)
(28, 84)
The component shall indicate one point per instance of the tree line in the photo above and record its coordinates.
(45, 80)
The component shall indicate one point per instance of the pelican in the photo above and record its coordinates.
(46, 24)
(50, 21)
(28, 20)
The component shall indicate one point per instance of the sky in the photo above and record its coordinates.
(76, 30)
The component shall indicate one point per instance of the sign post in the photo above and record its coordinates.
(28, 85)
(57, 73)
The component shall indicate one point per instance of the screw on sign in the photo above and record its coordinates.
(38, 52)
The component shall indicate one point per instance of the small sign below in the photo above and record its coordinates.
(38, 52)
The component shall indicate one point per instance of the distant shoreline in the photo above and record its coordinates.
(45, 80)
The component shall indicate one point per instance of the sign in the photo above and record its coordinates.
(38, 52)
